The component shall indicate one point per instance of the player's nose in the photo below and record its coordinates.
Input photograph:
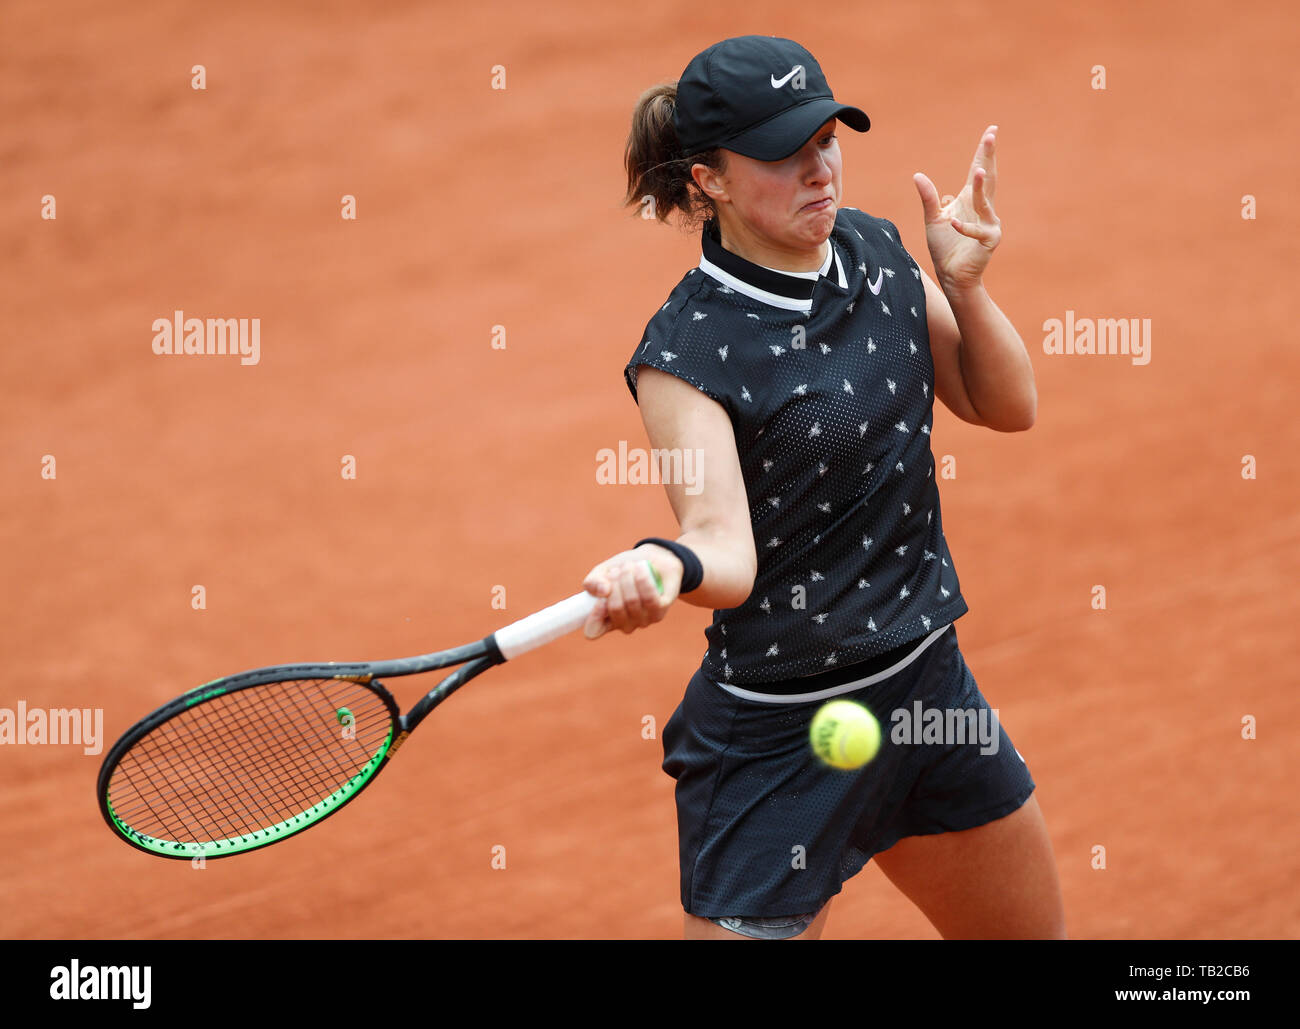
(817, 166)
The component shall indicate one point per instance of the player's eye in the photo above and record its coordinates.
(826, 139)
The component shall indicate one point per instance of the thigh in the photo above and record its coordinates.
(996, 881)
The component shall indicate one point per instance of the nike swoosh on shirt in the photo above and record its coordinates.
(778, 83)
(880, 277)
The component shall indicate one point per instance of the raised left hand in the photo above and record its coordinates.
(962, 231)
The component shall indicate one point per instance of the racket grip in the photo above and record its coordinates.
(550, 623)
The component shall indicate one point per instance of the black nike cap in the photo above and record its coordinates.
(760, 96)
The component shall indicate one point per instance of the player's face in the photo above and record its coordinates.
(788, 205)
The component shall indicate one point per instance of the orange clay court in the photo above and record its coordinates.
(479, 207)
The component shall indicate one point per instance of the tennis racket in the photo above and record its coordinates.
(246, 761)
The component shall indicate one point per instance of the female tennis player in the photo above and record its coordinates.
(799, 362)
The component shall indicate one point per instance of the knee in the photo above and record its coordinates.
(785, 927)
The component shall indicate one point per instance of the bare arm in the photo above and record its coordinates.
(712, 512)
(982, 370)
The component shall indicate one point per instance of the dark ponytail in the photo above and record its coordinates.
(657, 171)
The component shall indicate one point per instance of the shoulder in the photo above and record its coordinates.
(864, 225)
(680, 337)
(878, 238)
(675, 323)
(695, 292)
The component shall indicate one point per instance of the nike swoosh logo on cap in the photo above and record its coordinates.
(778, 83)
(880, 277)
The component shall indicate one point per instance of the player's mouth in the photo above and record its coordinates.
(824, 204)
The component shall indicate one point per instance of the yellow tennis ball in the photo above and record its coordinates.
(844, 734)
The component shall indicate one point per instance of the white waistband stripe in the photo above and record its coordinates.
(833, 691)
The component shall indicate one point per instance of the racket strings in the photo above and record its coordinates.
(235, 814)
(255, 776)
(291, 783)
(249, 760)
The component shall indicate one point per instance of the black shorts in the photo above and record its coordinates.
(765, 830)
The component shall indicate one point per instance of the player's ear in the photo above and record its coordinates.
(709, 181)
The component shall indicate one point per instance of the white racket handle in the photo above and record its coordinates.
(550, 623)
